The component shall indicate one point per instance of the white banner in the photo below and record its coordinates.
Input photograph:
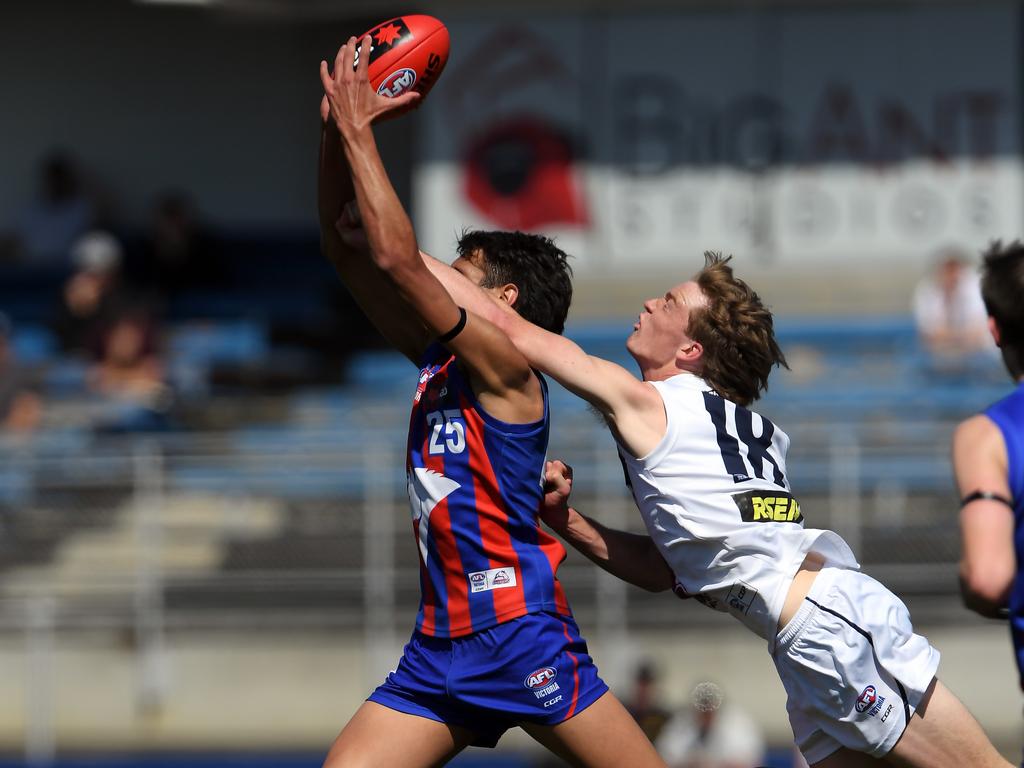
(785, 136)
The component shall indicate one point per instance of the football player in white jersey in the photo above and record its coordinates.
(709, 478)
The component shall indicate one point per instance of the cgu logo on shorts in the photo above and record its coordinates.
(869, 701)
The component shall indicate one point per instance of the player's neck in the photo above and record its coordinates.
(666, 372)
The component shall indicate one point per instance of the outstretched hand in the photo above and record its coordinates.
(554, 508)
(348, 97)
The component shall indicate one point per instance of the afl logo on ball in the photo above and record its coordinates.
(540, 678)
(866, 699)
(398, 82)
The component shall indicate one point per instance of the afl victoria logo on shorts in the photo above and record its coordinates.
(540, 678)
(866, 699)
(869, 701)
(542, 682)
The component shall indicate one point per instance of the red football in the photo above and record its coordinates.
(407, 53)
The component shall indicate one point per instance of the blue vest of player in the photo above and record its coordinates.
(1008, 415)
(475, 490)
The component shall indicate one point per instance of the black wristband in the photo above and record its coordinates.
(987, 496)
(445, 338)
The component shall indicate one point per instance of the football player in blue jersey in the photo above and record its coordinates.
(988, 461)
(495, 645)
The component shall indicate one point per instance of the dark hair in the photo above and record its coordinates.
(1002, 288)
(736, 331)
(533, 263)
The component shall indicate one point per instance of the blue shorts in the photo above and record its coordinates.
(534, 669)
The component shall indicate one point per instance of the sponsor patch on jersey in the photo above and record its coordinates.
(768, 507)
(741, 597)
(495, 578)
(870, 702)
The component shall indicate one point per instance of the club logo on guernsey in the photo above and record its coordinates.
(427, 489)
(542, 682)
(426, 374)
(870, 702)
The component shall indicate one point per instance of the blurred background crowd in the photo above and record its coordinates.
(204, 549)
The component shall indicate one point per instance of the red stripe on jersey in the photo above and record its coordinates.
(575, 674)
(457, 586)
(493, 517)
(555, 553)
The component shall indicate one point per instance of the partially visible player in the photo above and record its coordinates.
(988, 460)
(495, 644)
(709, 478)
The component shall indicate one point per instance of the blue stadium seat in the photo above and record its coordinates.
(205, 343)
(33, 344)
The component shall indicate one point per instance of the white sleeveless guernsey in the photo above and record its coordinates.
(715, 498)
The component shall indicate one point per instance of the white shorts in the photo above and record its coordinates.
(853, 669)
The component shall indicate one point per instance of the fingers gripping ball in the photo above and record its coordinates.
(407, 54)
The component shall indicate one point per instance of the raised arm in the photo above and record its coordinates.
(632, 557)
(633, 409)
(501, 377)
(988, 563)
(373, 292)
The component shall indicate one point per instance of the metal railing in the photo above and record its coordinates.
(309, 530)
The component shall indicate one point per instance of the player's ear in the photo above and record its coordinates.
(690, 353)
(509, 293)
(993, 328)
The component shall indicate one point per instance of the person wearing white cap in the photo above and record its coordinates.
(96, 251)
(92, 294)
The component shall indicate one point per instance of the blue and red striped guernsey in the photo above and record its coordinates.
(475, 486)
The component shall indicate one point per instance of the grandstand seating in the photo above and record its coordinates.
(869, 415)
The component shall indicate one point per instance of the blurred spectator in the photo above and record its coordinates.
(178, 254)
(948, 312)
(129, 375)
(20, 403)
(707, 733)
(92, 297)
(644, 701)
(60, 214)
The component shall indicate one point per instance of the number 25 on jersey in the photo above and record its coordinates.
(447, 432)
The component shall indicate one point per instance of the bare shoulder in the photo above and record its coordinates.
(633, 396)
(645, 395)
(977, 432)
(979, 453)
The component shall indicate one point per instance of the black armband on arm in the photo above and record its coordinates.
(987, 496)
(445, 338)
